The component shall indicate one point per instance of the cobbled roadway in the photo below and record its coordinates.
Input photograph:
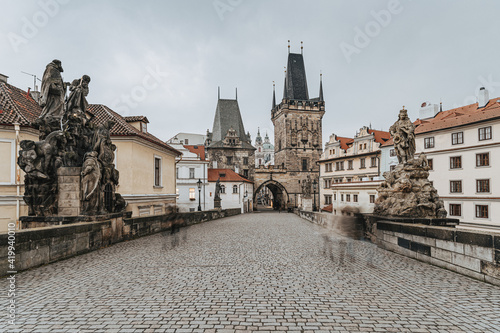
(260, 271)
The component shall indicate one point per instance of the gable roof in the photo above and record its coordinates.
(295, 81)
(131, 119)
(345, 142)
(380, 136)
(121, 127)
(226, 175)
(460, 116)
(227, 116)
(198, 150)
(17, 106)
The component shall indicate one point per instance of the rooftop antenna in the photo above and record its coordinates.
(288, 46)
(301, 46)
(34, 80)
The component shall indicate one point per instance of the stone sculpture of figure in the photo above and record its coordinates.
(217, 189)
(403, 132)
(91, 179)
(79, 89)
(53, 92)
(306, 187)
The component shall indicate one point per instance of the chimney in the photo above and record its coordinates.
(3, 78)
(483, 98)
(35, 94)
(428, 110)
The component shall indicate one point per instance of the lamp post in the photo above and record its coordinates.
(199, 194)
(248, 206)
(315, 185)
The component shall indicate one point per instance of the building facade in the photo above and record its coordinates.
(191, 172)
(236, 191)
(192, 139)
(350, 171)
(228, 146)
(297, 121)
(463, 149)
(264, 153)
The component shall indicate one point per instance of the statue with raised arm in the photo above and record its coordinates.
(217, 189)
(403, 132)
(78, 91)
(53, 92)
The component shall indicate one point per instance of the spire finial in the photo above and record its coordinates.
(301, 47)
(274, 95)
(218, 92)
(440, 106)
(288, 46)
(236, 93)
(321, 99)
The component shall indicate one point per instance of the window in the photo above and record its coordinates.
(339, 166)
(177, 173)
(455, 210)
(328, 183)
(392, 167)
(484, 133)
(355, 198)
(364, 146)
(245, 160)
(335, 196)
(482, 185)
(235, 188)
(342, 197)
(191, 173)
(144, 128)
(245, 173)
(455, 186)
(349, 165)
(223, 189)
(373, 162)
(332, 152)
(360, 147)
(457, 138)
(229, 160)
(429, 142)
(304, 164)
(328, 199)
(192, 194)
(362, 163)
(482, 211)
(260, 161)
(348, 179)
(430, 163)
(186, 141)
(483, 159)
(456, 162)
(157, 171)
(372, 198)
(348, 197)
(392, 152)
(259, 149)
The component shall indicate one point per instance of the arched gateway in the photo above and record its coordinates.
(279, 195)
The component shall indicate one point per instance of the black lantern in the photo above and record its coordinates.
(199, 194)
(315, 187)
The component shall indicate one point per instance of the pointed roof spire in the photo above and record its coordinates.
(274, 95)
(258, 139)
(321, 87)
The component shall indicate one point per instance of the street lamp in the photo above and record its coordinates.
(199, 194)
(315, 185)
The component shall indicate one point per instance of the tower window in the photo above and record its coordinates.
(304, 164)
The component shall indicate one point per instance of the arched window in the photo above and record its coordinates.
(260, 161)
(259, 149)
(223, 189)
(235, 188)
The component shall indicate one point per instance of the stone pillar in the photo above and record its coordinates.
(69, 194)
(217, 204)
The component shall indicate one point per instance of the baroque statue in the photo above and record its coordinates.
(407, 191)
(69, 139)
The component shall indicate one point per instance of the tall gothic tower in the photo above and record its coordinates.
(297, 122)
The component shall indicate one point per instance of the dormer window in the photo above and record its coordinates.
(144, 127)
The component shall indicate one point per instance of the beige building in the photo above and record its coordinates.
(146, 164)
(350, 171)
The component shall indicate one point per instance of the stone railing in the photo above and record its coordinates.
(40, 246)
(349, 226)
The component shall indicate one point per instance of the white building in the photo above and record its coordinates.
(264, 153)
(188, 139)
(236, 191)
(191, 168)
(463, 148)
(349, 172)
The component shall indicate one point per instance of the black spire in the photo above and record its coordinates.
(295, 80)
(321, 87)
(274, 96)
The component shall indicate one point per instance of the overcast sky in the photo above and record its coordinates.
(165, 59)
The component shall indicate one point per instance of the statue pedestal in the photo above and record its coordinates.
(69, 193)
(307, 204)
(217, 203)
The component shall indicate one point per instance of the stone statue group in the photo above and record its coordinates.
(69, 139)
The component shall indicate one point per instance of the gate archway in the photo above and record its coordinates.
(280, 198)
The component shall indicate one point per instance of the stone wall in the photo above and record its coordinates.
(472, 253)
(40, 246)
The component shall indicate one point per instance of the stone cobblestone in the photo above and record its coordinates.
(262, 272)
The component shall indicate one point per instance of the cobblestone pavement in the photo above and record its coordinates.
(261, 271)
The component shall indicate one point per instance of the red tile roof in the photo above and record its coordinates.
(122, 128)
(131, 119)
(17, 105)
(464, 115)
(198, 150)
(380, 136)
(328, 208)
(344, 142)
(226, 175)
